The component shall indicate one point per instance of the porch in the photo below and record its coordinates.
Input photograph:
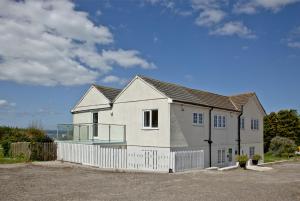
(92, 133)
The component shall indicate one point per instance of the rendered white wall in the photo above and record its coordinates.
(93, 99)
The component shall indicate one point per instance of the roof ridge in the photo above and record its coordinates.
(96, 85)
(178, 85)
(246, 93)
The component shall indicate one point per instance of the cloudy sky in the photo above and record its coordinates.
(51, 51)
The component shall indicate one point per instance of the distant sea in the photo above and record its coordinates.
(51, 133)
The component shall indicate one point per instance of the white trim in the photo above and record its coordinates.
(137, 77)
(150, 119)
(80, 100)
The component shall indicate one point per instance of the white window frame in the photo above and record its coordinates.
(197, 115)
(150, 119)
(220, 121)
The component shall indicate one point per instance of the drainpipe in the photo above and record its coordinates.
(239, 131)
(209, 141)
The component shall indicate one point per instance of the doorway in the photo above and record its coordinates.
(95, 124)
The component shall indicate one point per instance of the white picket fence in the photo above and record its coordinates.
(130, 158)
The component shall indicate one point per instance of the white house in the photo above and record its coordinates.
(153, 113)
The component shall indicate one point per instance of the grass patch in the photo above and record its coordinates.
(7, 160)
(270, 158)
(12, 160)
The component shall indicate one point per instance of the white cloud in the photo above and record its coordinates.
(210, 12)
(114, 79)
(245, 8)
(233, 28)
(50, 43)
(251, 7)
(245, 47)
(5, 104)
(293, 39)
(98, 12)
(126, 58)
(210, 17)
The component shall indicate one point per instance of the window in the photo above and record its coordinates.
(95, 124)
(221, 156)
(219, 121)
(150, 118)
(215, 121)
(242, 123)
(251, 151)
(198, 118)
(195, 118)
(254, 124)
(230, 154)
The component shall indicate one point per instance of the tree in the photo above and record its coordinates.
(282, 146)
(285, 123)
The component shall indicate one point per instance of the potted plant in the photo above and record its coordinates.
(242, 159)
(255, 159)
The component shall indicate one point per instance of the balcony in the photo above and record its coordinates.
(90, 133)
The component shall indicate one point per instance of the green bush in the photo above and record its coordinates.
(242, 159)
(281, 146)
(9, 135)
(256, 157)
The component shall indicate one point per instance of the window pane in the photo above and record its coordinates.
(154, 118)
(215, 121)
(223, 156)
(219, 121)
(242, 123)
(146, 118)
(194, 118)
(200, 118)
(224, 122)
(251, 124)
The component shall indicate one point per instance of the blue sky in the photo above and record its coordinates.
(52, 51)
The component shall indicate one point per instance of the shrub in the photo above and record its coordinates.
(242, 159)
(256, 157)
(281, 146)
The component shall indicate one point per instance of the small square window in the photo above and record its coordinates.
(150, 119)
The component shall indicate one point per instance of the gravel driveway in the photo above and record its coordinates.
(65, 182)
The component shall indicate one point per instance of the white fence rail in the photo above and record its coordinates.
(130, 158)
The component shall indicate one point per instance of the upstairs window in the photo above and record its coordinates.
(150, 119)
(254, 124)
(242, 123)
(219, 121)
(198, 118)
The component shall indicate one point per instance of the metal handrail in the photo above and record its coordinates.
(94, 123)
(88, 135)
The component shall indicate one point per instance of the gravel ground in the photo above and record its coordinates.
(74, 182)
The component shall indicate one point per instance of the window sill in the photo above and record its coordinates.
(218, 128)
(150, 129)
(198, 125)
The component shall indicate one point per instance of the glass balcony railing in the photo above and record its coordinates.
(104, 133)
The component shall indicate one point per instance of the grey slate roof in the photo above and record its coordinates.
(241, 99)
(108, 92)
(194, 96)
